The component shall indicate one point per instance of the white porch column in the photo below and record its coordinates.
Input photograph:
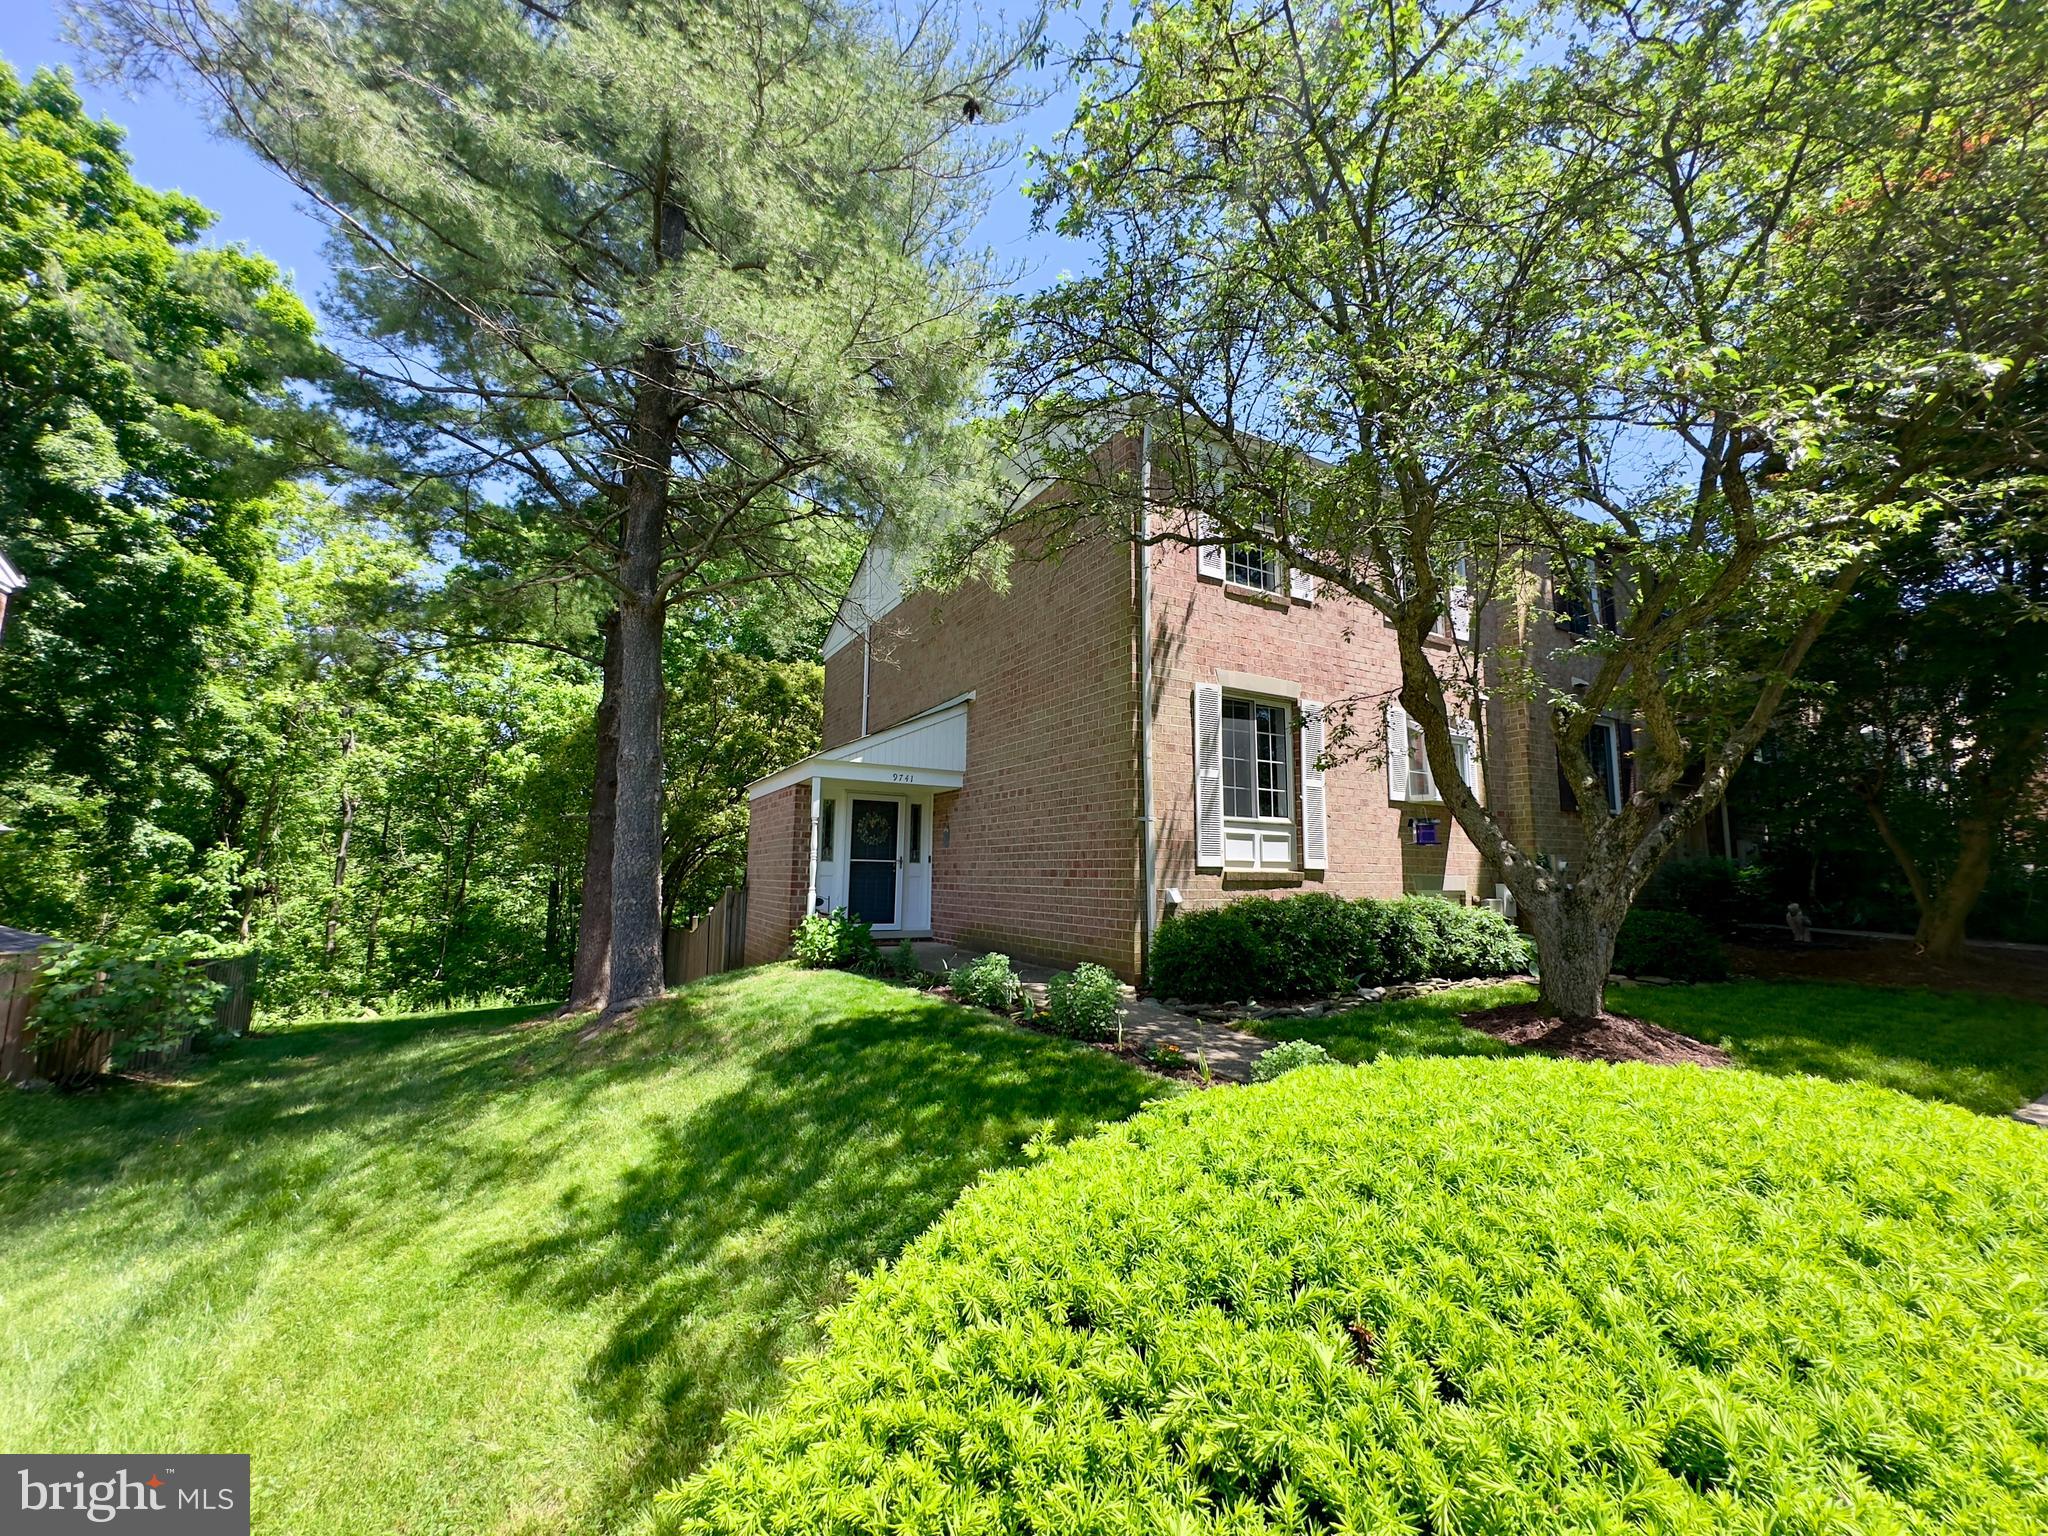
(817, 828)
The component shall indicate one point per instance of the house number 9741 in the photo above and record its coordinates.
(902, 778)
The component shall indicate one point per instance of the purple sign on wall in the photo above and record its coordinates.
(1425, 832)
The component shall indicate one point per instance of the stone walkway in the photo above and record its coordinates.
(1230, 1052)
(2035, 1113)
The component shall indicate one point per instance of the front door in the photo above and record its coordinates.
(874, 863)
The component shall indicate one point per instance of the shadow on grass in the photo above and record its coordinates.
(835, 1150)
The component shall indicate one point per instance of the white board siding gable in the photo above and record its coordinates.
(1397, 752)
(1315, 837)
(1208, 776)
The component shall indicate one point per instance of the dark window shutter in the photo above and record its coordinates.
(1566, 799)
(1625, 749)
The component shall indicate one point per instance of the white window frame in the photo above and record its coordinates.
(1411, 778)
(1272, 580)
(1608, 728)
(1262, 844)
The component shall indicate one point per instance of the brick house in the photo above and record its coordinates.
(983, 777)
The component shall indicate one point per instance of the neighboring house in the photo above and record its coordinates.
(982, 778)
(11, 582)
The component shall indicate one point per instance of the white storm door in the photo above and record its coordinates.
(917, 867)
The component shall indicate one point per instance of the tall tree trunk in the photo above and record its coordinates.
(592, 973)
(1944, 919)
(1575, 937)
(636, 832)
(377, 903)
(340, 880)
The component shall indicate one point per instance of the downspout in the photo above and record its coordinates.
(866, 645)
(1150, 854)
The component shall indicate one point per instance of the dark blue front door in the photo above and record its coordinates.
(872, 869)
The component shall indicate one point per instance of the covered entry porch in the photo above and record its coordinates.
(863, 819)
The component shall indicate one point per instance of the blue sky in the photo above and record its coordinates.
(171, 148)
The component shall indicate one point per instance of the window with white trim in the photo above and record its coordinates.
(1258, 784)
(1421, 782)
(1253, 566)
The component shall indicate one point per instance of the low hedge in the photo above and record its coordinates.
(1669, 944)
(1314, 945)
(1448, 1295)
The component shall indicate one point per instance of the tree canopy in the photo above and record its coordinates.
(1447, 301)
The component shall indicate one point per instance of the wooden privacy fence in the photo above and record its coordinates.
(714, 942)
(80, 1054)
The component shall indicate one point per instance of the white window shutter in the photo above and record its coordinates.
(1301, 585)
(1397, 752)
(1460, 606)
(1208, 776)
(1467, 741)
(1209, 558)
(1315, 836)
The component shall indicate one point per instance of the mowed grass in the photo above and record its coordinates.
(464, 1274)
(1985, 1053)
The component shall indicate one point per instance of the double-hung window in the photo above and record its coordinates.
(1258, 784)
(1609, 746)
(1253, 566)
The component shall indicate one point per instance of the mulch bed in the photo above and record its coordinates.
(1611, 1037)
(1876, 962)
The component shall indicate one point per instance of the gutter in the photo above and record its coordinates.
(1146, 830)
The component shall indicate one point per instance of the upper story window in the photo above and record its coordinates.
(1584, 598)
(1253, 566)
(1610, 749)
(1258, 767)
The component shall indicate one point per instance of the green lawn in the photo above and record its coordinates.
(460, 1274)
(1985, 1053)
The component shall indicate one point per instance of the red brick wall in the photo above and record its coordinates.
(778, 870)
(1038, 854)
(1333, 650)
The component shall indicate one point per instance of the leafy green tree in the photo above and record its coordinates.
(1447, 302)
(732, 718)
(149, 422)
(691, 278)
(1928, 720)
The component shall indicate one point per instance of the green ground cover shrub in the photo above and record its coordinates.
(1450, 1296)
(1668, 944)
(834, 941)
(1719, 892)
(988, 982)
(1283, 1059)
(1315, 945)
(1082, 1003)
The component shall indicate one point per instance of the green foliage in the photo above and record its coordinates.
(1083, 1003)
(1404, 939)
(1287, 1056)
(578, 1252)
(897, 963)
(730, 718)
(147, 996)
(1671, 944)
(834, 941)
(1315, 945)
(1207, 953)
(1719, 892)
(153, 415)
(1382, 1300)
(988, 982)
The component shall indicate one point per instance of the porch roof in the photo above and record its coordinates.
(928, 750)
